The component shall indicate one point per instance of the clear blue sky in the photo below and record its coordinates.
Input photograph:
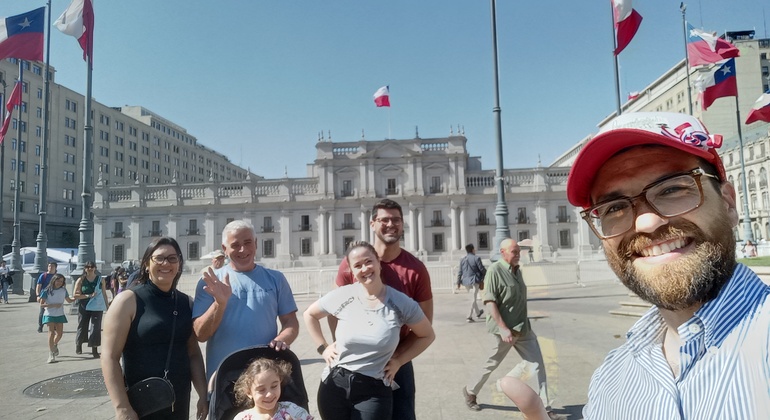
(257, 80)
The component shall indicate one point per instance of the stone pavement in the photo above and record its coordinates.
(572, 322)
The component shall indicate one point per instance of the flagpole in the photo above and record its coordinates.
(683, 7)
(615, 58)
(2, 164)
(389, 135)
(18, 287)
(748, 233)
(41, 256)
(86, 246)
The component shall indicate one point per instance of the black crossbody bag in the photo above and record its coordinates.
(154, 394)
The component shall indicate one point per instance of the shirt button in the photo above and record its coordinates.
(694, 328)
(713, 349)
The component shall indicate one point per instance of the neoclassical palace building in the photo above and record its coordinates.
(447, 198)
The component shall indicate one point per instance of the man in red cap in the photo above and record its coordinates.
(654, 190)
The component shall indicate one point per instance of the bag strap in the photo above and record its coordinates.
(171, 343)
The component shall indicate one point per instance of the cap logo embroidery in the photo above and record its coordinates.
(688, 134)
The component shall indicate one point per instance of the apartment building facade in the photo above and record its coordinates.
(130, 144)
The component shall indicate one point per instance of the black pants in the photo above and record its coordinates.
(346, 395)
(89, 326)
(403, 398)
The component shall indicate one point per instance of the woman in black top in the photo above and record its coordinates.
(89, 322)
(138, 327)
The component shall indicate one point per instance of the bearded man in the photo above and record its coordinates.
(654, 190)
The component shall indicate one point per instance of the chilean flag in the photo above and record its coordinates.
(382, 96)
(21, 36)
(717, 83)
(706, 48)
(627, 22)
(761, 109)
(78, 21)
(14, 100)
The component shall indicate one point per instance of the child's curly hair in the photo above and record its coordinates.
(243, 385)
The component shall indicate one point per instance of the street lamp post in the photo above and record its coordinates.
(501, 209)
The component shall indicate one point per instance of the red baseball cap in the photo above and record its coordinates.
(680, 131)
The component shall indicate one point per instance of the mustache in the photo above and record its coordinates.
(634, 245)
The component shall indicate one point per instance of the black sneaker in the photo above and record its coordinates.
(481, 313)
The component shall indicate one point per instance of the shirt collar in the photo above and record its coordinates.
(738, 297)
(734, 302)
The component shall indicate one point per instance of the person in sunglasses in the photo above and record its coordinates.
(653, 189)
(89, 285)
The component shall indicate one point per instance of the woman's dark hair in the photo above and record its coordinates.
(86, 265)
(243, 385)
(144, 266)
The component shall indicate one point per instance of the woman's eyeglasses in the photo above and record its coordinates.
(171, 259)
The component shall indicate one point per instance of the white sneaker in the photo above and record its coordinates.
(51, 358)
(55, 350)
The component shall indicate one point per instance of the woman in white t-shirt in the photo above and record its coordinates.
(361, 364)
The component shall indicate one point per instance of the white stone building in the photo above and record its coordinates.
(447, 198)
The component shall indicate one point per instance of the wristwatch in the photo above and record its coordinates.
(321, 349)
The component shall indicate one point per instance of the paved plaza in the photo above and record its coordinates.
(572, 322)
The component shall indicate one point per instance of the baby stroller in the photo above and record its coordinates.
(222, 405)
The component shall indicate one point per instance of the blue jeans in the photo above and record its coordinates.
(5, 292)
(403, 398)
(346, 395)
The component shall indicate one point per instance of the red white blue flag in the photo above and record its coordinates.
(21, 36)
(761, 109)
(78, 21)
(706, 48)
(14, 100)
(627, 22)
(716, 83)
(382, 96)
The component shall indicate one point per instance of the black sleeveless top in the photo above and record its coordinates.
(146, 349)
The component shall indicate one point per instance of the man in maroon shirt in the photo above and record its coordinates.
(405, 273)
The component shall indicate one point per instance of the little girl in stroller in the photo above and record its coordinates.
(256, 381)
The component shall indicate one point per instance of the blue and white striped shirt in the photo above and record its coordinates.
(724, 362)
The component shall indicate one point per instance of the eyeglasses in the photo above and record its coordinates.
(389, 220)
(160, 259)
(672, 196)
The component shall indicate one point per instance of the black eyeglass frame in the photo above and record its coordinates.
(160, 259)
(696, 174)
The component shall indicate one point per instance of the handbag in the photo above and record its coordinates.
(97, 303)
(153, 394)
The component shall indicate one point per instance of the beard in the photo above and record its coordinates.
(693, 279)
(388, 239)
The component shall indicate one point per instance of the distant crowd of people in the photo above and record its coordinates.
(653, 190)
